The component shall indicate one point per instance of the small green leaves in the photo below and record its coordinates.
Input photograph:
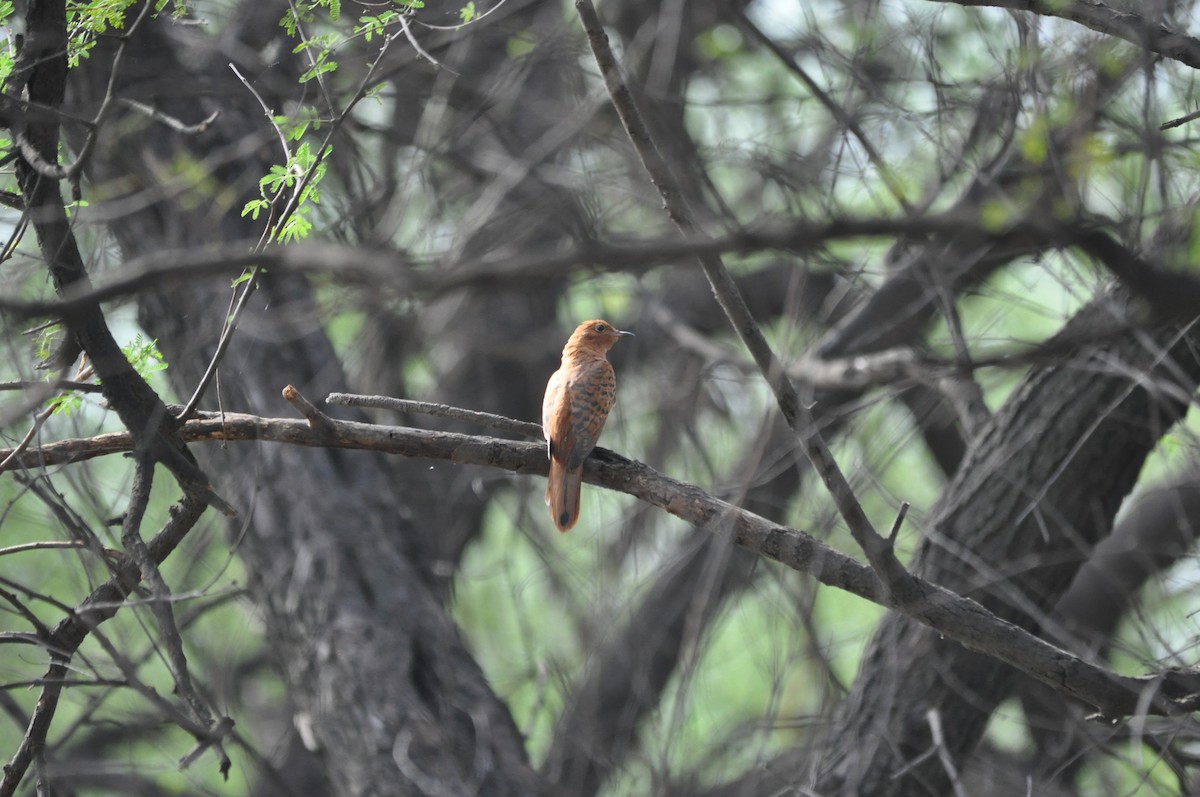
(288, 192)
(243, 277)
(321, 51)
(371, 25)
(303, 174)
(255, 207)
(144, 355)
(86, 21)
(44, 343)
(67, 403)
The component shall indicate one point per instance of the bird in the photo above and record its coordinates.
(578, 398)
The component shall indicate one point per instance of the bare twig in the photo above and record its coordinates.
(900, 515)
(45, 545)
(408, 34)
(266, 109)
(170, 121)
(316, 419)
(938, 738)
(51, 386)
(214, 738)
(38, 421)
(42, 632)
(498, 422)
(1183, 120)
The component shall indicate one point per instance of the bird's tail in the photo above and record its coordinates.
(562, 494)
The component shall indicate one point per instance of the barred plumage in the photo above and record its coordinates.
(578, 399)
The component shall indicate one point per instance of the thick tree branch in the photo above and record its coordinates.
(952, 615)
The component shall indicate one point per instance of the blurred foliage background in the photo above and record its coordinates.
(472, 146)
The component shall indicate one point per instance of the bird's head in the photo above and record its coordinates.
(595, 336)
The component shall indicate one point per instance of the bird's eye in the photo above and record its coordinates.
(600, 328)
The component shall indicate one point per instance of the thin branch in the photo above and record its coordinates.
(29, 152)
(1183, 120)
(899, 521)
(171, 121)
(946, 612)
(316, 419)
(408, 34)
(266, 109)
(51, 386)
(938, 737)
(43, 633)
(45, 545)
(38, 421)
(498, 422)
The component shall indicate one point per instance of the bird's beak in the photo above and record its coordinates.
(624, 334)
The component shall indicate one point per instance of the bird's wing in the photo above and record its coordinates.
(556, 415)
(592, 389)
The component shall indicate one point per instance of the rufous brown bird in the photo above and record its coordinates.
(578, 397)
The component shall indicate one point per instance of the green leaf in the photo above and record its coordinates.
(255, 207)
(144, 355)
(67, 403)
(321, 65)
(45, 342)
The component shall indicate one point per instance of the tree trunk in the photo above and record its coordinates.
(384, 689)
(1038, 490)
